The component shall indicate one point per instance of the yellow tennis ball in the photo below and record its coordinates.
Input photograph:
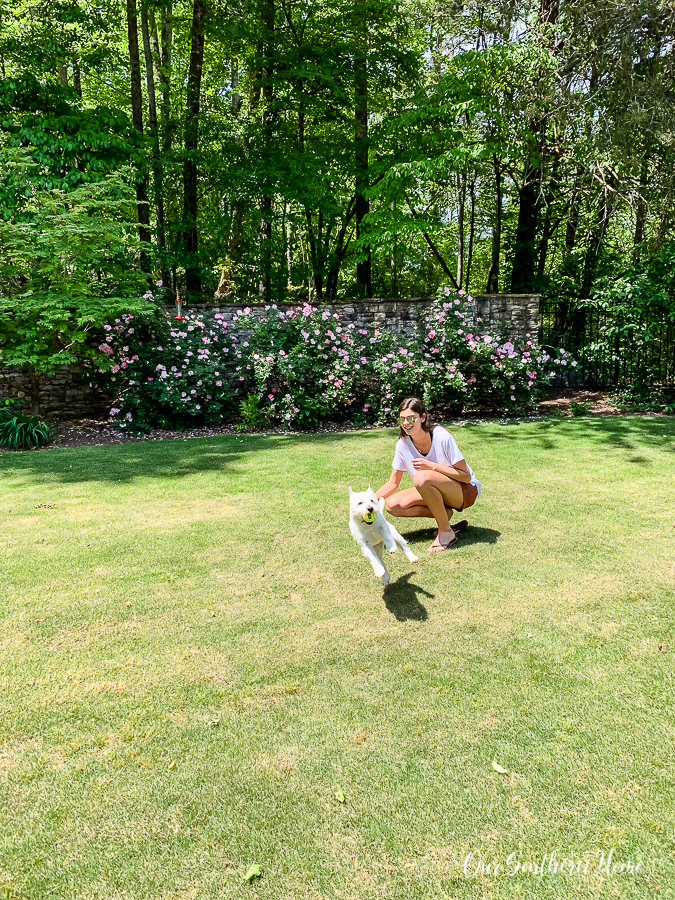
(369, 518)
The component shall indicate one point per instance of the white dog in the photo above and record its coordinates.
(373, 533)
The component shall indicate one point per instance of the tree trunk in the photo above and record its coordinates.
(193, 279)
(641, 209)
(493, 275)
(525, 250)
(525, 244)
(154, 132)
(267, 35)
(549, 226)
(392, 261)
(162, 59)
(137, 117)
(461, 186)
(472, 231)
(598, 233)
(362, 204)
(77, 77)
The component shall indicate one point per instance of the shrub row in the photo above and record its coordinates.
(301, 367)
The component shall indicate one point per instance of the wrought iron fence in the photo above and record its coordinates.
(612, 347)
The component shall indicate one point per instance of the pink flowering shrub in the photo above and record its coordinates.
(167, 372)
(308, 365)
(302, 366)
(455, 362)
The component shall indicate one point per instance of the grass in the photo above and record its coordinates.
(195, 659)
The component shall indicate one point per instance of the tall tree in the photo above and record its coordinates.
(154, 135)
(193, 277)
(267, 14)
(137, 117)
(530, 194)
(361, 154)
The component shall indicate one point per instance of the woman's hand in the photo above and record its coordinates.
(421, 463)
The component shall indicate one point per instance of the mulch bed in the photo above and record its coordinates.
(99, 432)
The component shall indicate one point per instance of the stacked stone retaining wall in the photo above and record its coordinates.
(70, 393)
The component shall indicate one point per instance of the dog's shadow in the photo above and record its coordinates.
(400, 598)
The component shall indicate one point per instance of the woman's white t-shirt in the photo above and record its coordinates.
(444, 451)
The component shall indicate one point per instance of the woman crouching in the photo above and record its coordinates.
(442, 480)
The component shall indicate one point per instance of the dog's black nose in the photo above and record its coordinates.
(370, 509)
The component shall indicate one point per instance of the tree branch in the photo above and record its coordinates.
(432, 246)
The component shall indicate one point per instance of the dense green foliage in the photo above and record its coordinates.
(321, 150)
(67, 267)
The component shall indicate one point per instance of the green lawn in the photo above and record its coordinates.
(196, 658)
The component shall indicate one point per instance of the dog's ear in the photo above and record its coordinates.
(350, 490)
(382, 503)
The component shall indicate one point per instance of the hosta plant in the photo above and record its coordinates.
(19, 431)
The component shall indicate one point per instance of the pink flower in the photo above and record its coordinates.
(241, 378)
(270, 396)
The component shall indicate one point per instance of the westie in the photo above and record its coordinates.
(373, 533)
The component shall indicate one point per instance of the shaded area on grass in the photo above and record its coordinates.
(161, 459)
(472, 535)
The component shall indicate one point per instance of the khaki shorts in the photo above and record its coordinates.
(469, 495)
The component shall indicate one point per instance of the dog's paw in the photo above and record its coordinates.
(380, 573)
(392, 549)
(413, 558)
(386, 578)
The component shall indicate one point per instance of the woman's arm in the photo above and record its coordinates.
(389, 487)
(458, 472)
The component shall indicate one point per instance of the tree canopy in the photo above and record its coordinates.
(323, 149)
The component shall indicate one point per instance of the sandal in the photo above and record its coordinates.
(441, 546)
(460, 526)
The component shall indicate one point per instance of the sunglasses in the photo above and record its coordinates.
(407, 420)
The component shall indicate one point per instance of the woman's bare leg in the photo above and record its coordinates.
(442, 494)
(408, 503)
(437, 492)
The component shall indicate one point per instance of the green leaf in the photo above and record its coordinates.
(498, 768)
(339, 796)
(253, 872)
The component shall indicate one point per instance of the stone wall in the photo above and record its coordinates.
(520, 311)
(69, 394)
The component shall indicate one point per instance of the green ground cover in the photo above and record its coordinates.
(196, 658)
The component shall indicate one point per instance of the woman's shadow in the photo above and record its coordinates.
(472, 535)
(400, 598)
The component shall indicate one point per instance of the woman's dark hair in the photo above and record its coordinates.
(418, 407)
